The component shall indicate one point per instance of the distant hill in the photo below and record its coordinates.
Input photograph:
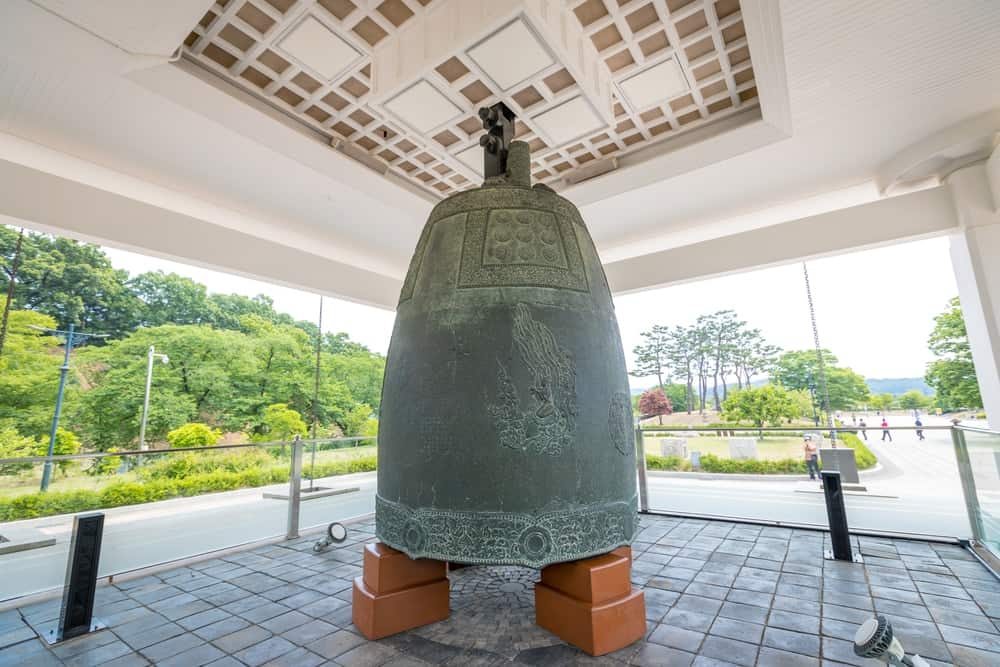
(898, 386)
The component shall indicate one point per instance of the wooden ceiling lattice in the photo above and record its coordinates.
(238, 40)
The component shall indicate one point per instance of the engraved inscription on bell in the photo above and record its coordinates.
(506, 426)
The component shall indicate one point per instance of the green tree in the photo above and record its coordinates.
(66, 444)
(677, 393)
(29, 372)
(952, 374)
(13, 445)
(194, 434)
(651, 356)
(799, 369)
(356, 420)
(279, 422)
(882, 402)
(209, 371)
(70, 281)
(913, 400)
(168, 298)
(769, 404)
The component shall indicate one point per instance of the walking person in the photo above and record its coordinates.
(920, 431)
(864, 428)
(885, 430)
(811, 455)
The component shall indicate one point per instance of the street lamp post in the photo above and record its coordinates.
(72, 337)
(145, 401)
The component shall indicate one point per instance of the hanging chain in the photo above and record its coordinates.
(824, 388)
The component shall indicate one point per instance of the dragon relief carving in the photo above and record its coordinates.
(548, 423)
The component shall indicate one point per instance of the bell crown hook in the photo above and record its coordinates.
(498, 121)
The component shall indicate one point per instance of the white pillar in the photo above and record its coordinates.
(975, 254)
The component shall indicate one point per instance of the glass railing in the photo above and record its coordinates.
(166, 505)
(907, 482)
(978, 454)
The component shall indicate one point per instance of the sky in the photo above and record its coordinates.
(874, 308)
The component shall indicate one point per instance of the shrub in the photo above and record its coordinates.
(194, 435)
(712, 463)
(862, 455)
(654, 462)
(163, 487)
(179, 466)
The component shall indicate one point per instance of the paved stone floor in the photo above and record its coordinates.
(717, 593)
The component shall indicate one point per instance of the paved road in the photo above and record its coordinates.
(168, 530)
(916, 491)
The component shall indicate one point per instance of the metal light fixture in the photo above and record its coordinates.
(874, 639)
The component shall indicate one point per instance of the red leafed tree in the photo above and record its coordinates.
(655, 402)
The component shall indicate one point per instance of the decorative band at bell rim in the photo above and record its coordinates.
(506, 422)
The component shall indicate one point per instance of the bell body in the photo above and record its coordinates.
(506, 432)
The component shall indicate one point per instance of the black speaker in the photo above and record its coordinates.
(77, 612)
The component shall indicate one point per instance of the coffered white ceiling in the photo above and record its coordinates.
(668, 66)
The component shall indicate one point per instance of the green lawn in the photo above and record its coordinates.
(773, 448)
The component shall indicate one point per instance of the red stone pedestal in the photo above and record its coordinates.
(397, 593)
(590, 603)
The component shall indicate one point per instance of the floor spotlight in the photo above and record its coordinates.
(874, 640)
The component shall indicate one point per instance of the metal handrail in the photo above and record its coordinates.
(796, 429)
(171, 450)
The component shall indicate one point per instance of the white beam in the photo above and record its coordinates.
(911, 216)
(974, 251)
(58, 205)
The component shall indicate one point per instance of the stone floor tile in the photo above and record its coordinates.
(771, 657)
(171, 647)
(265, 651)
(309, 631)
(202, 619)
(690, 620)
(323, 608)
(902, 609)
(743, 612)
(78, 645)
(239, 640)
(203, 654)
(655, 655)
(962, 620)
(129, 660)
(139, 637)
(981, 640)
(790, 620)
(848, 614)
(16, 635)
(221, 628)
(699, 604)
(839, 629)
(676, 637)
(847, 599)
(838, 651)
(367, 655)
(297, 657)
(98, 656)
(707, 590)
(735, 629)
(731, 650)
(334, 644)
(230, 661)
(973, 657)
(793, 642)
(801, 606)
(286, 621)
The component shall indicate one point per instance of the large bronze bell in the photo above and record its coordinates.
(506, 425)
